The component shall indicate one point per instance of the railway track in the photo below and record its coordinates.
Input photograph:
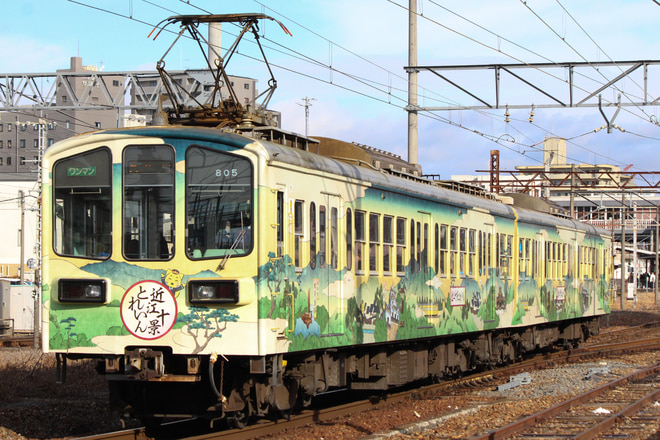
(323, 415)
(626, 405)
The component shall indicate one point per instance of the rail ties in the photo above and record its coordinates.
(627, 404)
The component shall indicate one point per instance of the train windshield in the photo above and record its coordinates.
(148, 202)
(218, 204)
(82, 205)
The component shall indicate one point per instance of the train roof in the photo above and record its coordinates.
(351, 161)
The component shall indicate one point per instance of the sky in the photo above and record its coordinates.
(348, 59)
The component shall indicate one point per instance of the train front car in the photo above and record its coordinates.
(150, 266)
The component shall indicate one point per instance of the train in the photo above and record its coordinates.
(229, 274)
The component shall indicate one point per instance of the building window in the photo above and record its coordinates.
(8, 127)
(246, 86)
(35, 143)
(9, 142)
(68, 124)
(2, 128)
(64, 99)
(97, 124)
(21, 143)
(115, 83)
(8, 160)
(1, 161)
(1, 144)
(22, 160)
(51, 141)
(23, 127)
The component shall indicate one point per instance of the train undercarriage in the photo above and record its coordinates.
(151, 384)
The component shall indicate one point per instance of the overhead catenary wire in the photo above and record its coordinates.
(386, 89)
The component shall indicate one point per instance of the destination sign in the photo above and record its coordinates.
(81, 171)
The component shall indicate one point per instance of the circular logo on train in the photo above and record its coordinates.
(148, 309)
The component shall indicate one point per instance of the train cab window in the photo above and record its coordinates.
(82, 205)
(148, 202)
(218, 204)
(400, 245)
(387, 243)
(359, 241)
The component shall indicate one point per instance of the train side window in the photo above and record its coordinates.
(413, 253)
(280, 223)
(374, 242)
(482, 251)
(462, 247)
(359, 242)
(521, 258)
(298, 231)
(501, 254)
(333, 238)
(323, 256)
(387, 243)
(400, 245)
(471, 251)
(349, 239)
(453, 238)
(219, 204)
(82, 205)
(509, 254)
(443, 249)
(436, 250)
(312, 235)
(527, 257)
(424, 252)
(148, 173)
(489, 261)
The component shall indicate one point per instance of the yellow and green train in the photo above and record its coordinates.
(224, 275)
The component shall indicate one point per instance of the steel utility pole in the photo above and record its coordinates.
(307, 104)
(412, 83)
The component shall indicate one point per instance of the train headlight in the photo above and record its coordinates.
(82, 290)
(212, 292)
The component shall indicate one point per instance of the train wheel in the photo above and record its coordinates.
(237, 419)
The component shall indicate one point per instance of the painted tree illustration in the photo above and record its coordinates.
(274, 272)
(204, 324)
(70, 325)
